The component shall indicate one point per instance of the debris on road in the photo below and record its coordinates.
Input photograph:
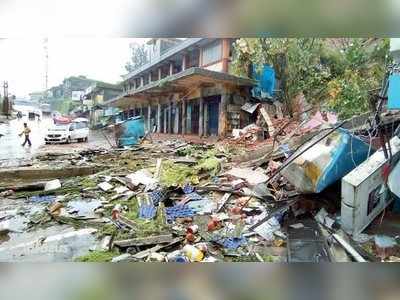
(177, 201)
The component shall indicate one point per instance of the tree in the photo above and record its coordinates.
(139, 57)
(335, 73)
(296, 62)
(358, 67)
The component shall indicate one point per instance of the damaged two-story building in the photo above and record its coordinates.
(187, 88)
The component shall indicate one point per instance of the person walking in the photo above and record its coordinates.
(26, 132)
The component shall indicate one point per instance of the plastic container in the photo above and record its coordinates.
(177, 257)
(192, 253)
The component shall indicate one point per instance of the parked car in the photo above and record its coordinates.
(77, 130)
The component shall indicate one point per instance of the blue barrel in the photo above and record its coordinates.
(131, 131)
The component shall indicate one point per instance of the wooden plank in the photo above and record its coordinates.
(223, 201)
(151, 240)
(234, 108)
(143, 254)
(267, 119)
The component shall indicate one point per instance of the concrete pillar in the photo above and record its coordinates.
(165, 120)
(184, 116)
(201, 116)
(159, 73)
(171, 68)
(205, 118)
(170, 117)
(189, 109)
(184, 62)
(134, 111)
(200, 57)
(158, 117)
(223, 114)
(149, 123)
(176, 121)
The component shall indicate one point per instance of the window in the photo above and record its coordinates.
(212, 53)
(79, 125)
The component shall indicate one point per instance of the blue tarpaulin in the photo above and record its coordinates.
(131, 131)
(394, 92)
(266, 82)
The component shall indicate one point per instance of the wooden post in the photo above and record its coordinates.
(134, 84)
(158, 117)
(184, 116)
(141, 81)
(150, 77)
(149, 123)
(223, 113)
(171, 68)
(225, 55)
(170, 117)
(201, 115)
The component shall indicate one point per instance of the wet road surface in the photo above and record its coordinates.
(11, 149)
(13, 154)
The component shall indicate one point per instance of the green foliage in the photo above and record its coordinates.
(98, 256)
(175, 174)
(349, 95)
(209, 163)
(296, 62)
(63, 105)
(333, 72)
(143, 227)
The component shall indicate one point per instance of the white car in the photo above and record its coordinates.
(66, 133)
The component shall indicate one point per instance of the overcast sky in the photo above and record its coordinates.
(22, 61)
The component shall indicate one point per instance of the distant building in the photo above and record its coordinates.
(186, 88)
(75, 85)
(56, 92)
(95, 96)
(36, 96)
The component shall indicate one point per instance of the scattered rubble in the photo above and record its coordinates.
(174, 201)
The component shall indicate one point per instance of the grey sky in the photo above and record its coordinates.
(22, 61)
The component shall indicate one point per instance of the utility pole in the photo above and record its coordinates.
(6, 101)
(46, 67)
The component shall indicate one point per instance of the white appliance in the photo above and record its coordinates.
(395, 49)
(364, 194)
(394, 180)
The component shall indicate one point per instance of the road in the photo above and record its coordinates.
(13, 154)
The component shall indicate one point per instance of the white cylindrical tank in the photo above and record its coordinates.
(395, 49)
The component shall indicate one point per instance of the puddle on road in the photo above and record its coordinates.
(82, 209)
(56, 243)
